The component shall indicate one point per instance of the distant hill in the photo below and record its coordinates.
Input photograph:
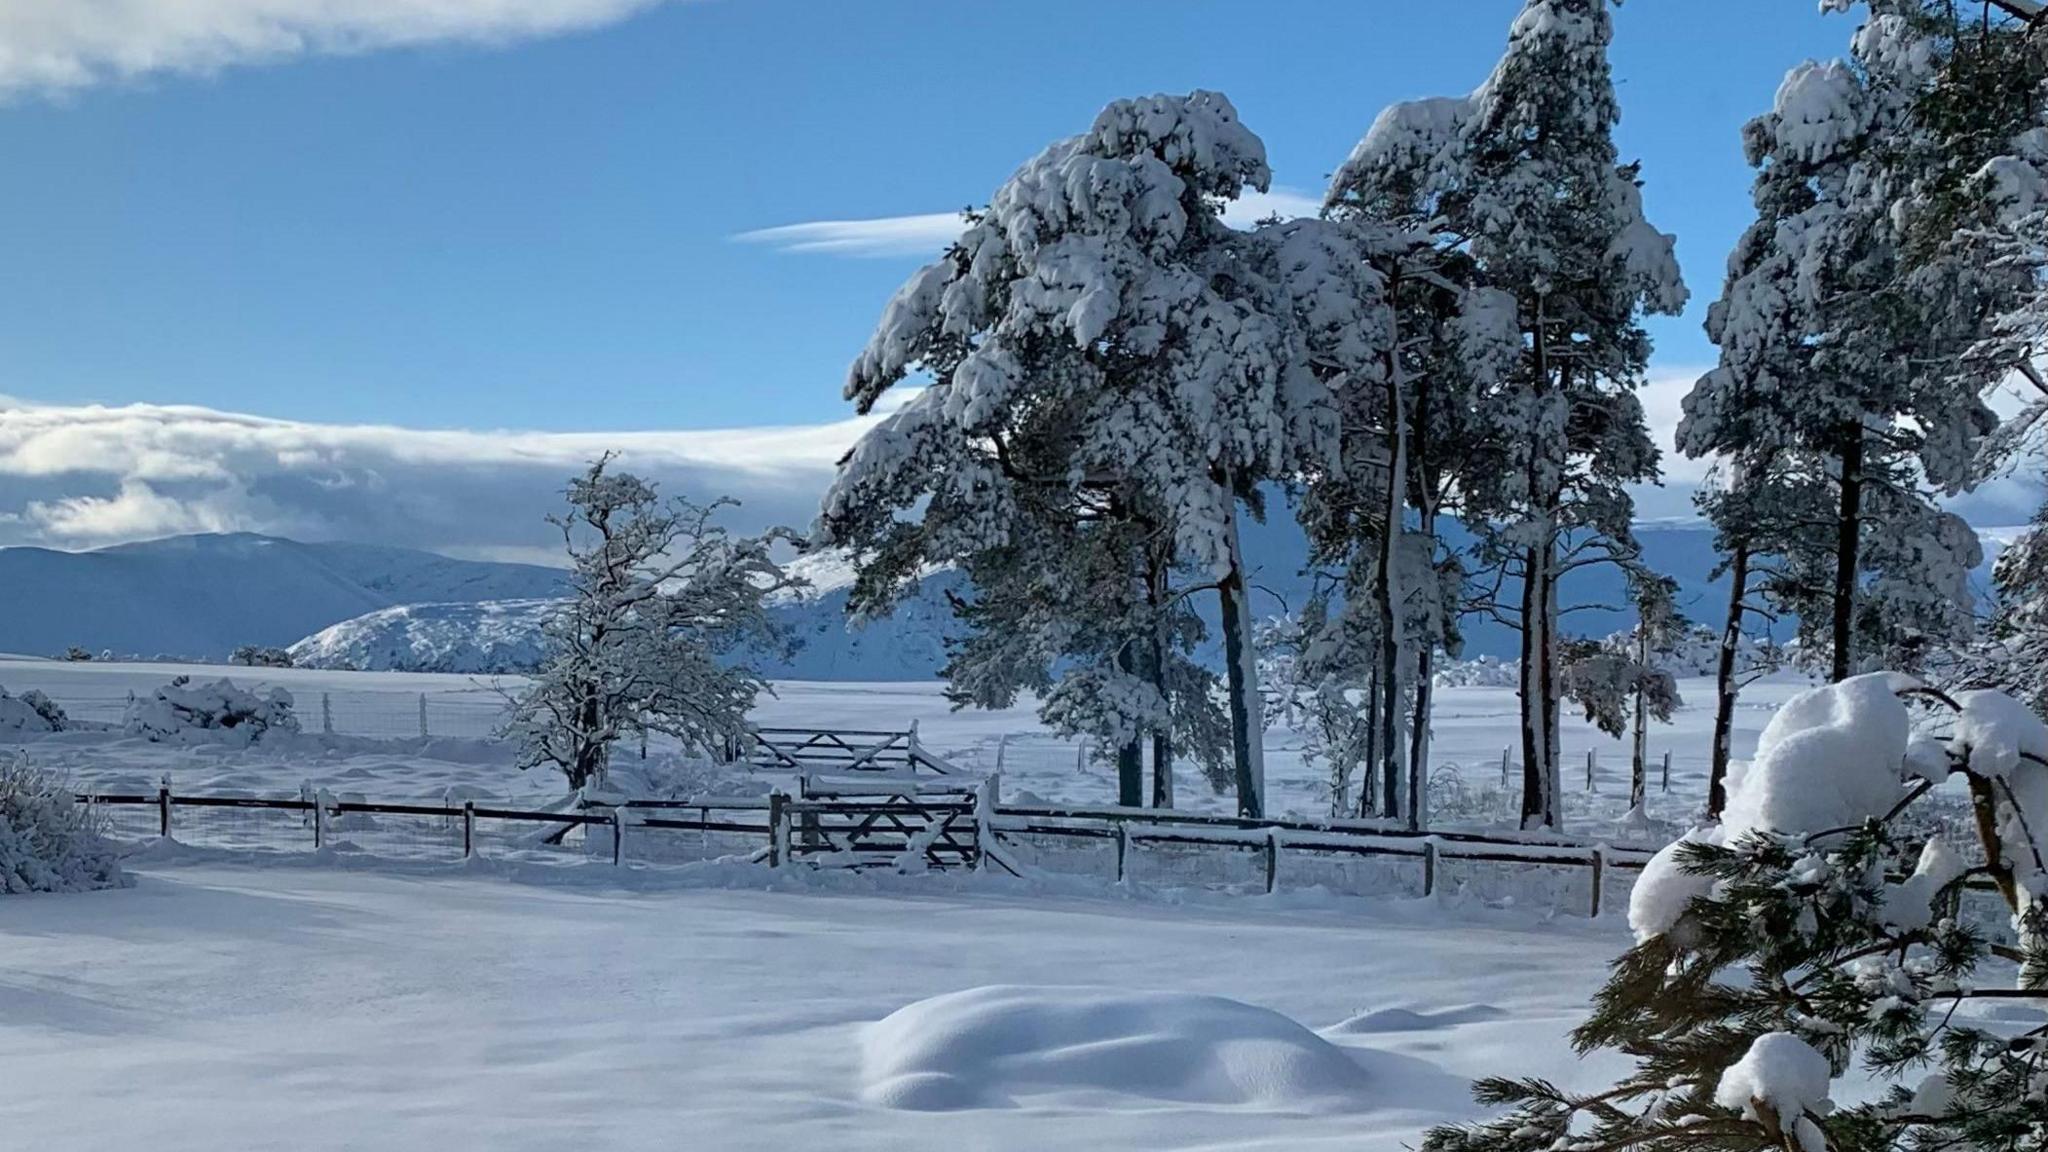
(201, 596)
(504, 636)
(373, 607)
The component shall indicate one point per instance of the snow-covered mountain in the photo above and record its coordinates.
(497, 636)
(201, 596)
(489, 636)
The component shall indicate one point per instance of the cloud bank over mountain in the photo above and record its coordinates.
(82, 476)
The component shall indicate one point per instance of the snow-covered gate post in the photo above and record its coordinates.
(618, 835)
(1429, 866)
(468, 829)
(985, 798)
(163, 806)
(1272, 860)
(778, 828)
(1599, 877)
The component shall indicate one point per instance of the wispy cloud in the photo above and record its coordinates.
(58, 45)
(74, 476)
(927, 234)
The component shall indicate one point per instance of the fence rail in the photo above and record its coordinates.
(843, 827)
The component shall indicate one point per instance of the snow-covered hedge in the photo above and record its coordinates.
(30, 712)
(181, 707)
(47, 840)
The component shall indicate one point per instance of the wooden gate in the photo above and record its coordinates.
(829, 751)
(908, 833)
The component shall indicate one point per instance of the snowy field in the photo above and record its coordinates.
(215, 1007)
(369, 1001)
(378, 753)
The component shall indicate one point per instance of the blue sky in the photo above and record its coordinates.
(540, 234)
(390, 270)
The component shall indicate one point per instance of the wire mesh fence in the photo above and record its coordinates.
(467, 713)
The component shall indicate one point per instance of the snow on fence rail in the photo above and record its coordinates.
(849, 828)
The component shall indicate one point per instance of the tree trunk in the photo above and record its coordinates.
(1247, 754)
(1130, 755)
(1418, 733)
(1159, 663)
(1553, 760)
(1162, 770)
(1369, 780)
(1393, 747)
(1724, 681)
(1848, 541)
(1639, 768)
(1528, 697)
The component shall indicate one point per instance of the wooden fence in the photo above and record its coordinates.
(897, 822)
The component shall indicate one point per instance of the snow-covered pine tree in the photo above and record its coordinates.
(1101, 312)
(1855, 319)
(1522, 175)
(1807, 934)
(659, 597)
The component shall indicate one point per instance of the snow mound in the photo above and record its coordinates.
(182, 709)
(987, 1047)
(1416, 1020)
(1833, 756)
(490, 637)
(30, 712)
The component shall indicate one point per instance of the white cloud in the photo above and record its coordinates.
(927, 234)
(88, 475)
(58, 45)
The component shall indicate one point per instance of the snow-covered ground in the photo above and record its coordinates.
(377, 750)
(215, 1007)
(402, 1000)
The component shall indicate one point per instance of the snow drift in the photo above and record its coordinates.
(989, 1047)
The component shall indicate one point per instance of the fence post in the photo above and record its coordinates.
(1123, 850)
(1002, 742)
(1503, 769)
(1081, 755)
(468, 829)
(778, 828)
(1599, 876)
(984, 809)
(423, 715)
(1591, 755)
(322, 800)
(1667, 770)
(913, 745)
(618, 835)
(312, 797)
(1429, 866)
(163, 807)
(326, 714)
(1272, 860)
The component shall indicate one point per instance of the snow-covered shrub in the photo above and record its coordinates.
(181, 707)
(48, 842)
(1808, 936)
(261, 656)
(30, 712)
